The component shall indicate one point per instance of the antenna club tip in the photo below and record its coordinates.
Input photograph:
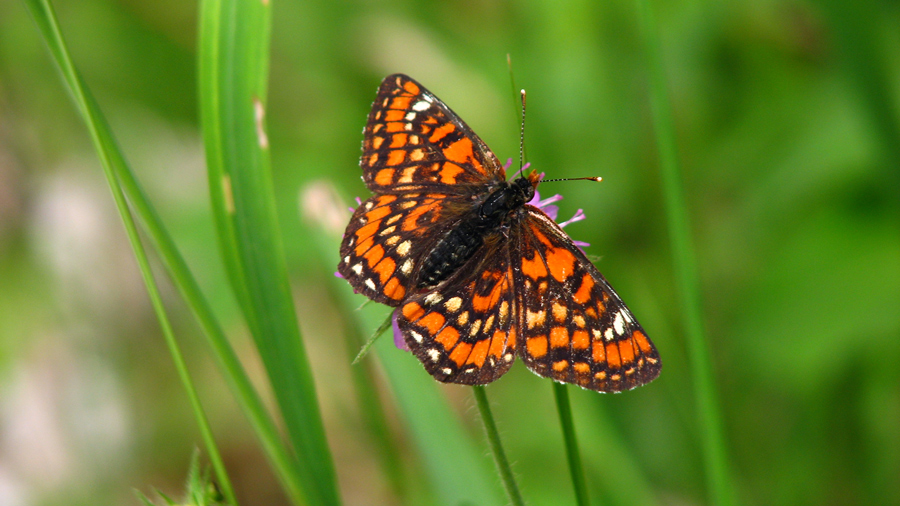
(597, 179)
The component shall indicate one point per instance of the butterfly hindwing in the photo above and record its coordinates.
(414, 142)
(386, 238)
(464, 329)
(575, 328)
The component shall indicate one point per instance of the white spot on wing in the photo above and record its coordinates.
(358, 268)
(453, 304)
(433, 298)
(608, 334)
(407, 267)
(416, 336)
(434, 355)
(619, 323)
(422, 105)
(370, 283)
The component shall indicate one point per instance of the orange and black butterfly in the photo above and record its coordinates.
(478, 274)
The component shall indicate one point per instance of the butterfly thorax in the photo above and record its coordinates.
(460, 243)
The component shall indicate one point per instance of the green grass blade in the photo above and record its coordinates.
(113, 162)
(718, 474)
(234, 44)
(564, 407)
(181, 275)
(490, 430)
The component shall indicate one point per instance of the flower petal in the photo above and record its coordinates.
(399, 342)
(579, 215)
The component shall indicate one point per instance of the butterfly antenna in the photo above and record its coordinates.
(522, 138)
(596, 178)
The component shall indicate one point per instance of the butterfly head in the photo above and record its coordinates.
(509, 197)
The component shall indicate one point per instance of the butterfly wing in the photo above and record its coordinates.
(464, 330)
(414, 142)
(425, 165)
(575, 328)
(386, 239)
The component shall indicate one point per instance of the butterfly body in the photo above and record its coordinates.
(478, 275)
(459, 244)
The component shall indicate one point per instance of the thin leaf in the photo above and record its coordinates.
(112, 158)
(718, 473)
(234, 44)
(113, 161)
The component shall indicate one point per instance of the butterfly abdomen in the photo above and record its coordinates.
(453, 250)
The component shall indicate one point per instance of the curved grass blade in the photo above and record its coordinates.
(234, 45)
(234, 373)
(113, 162)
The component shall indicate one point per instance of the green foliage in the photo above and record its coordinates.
(784, 118)
(199, 489)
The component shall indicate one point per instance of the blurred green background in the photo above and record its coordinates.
(787, 117)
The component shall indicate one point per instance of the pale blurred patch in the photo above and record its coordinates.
(63, 420)
(76, 232)
(321, 205)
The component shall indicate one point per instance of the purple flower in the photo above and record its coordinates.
(399, 342)
(553, 211)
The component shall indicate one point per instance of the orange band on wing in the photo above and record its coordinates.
(479, 353)
(537, 346)
(448, 337)
(460, 353)
(584, 291)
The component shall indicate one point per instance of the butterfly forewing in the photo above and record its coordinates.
(575, 328)
(415, 142)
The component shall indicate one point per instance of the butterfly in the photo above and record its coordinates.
(478, 275)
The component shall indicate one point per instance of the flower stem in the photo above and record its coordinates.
(568, 429)
(490, 429)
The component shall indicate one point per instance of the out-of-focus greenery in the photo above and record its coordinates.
(787, 128)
